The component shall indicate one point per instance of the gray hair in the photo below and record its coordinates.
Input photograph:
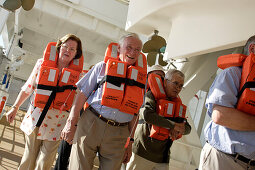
(171, 72)
(121, 41)
(250, 41)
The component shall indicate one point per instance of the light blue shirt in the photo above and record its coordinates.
(87, 85)
(223, 92)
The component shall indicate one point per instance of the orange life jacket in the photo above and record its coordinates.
(173, 110)
(84, 71)
(123, 86)
(246, 95)
(51, 92)
(2, 104)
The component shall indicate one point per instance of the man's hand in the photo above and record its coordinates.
(11, 115)
(179, 127)
(128, 153)
(68, 132)
(174, 134)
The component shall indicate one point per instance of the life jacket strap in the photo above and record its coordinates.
(117, 81)
(249, 84)
(132, 82)
(55, 90)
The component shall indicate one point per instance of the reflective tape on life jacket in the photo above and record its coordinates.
(68, 77)
(48, 76)
(113, 88)
(51, 92)
(134, 91)
(166, 108)
(173, 110)
(180, 110)
(123, 86)
(156, 87)
(50, 55)
(246, 95)
(111, 52)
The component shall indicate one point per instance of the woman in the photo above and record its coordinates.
(42, 140)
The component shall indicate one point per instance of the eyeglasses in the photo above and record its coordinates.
(176, 84)
(129, 49)
(66, 48)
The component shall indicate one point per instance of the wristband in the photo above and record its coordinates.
(14, 107)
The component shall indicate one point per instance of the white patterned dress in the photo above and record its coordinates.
(53, 122)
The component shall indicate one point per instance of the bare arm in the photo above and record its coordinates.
(70, 127)
(131, 127)
(77, 106)
(233, 118)
(19, 101)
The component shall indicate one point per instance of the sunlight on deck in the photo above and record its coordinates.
(12, 143)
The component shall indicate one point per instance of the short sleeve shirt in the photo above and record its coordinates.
(224, 92)
(88, 85)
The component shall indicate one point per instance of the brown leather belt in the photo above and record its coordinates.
(250, 162)
(107, 121)
(243, 159)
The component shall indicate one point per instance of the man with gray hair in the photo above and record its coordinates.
(230, 135)
(102, 129)
(148, 152)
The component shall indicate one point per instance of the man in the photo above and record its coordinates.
(150, 153)
(231, 133)
(101, 129)
(157, 69)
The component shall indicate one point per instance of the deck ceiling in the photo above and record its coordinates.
(96, 23)
(194, 27)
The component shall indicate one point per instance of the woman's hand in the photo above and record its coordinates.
(11, 114)
(68, 132)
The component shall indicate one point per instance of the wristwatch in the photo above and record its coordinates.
(14, 107)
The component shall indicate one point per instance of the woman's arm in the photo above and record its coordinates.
(19, 101)
(70, 127)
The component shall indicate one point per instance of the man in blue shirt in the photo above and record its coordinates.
(230, 134)
(94, 133)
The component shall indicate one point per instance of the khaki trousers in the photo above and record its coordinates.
(38, 154)
(94, 135)
(212, 159)
(139, 163)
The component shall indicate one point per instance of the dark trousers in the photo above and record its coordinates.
(64, 151)
(63, 156)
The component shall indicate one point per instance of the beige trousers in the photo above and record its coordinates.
(139, 163)
(94, 135)
(212, 159)
(38, 154)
